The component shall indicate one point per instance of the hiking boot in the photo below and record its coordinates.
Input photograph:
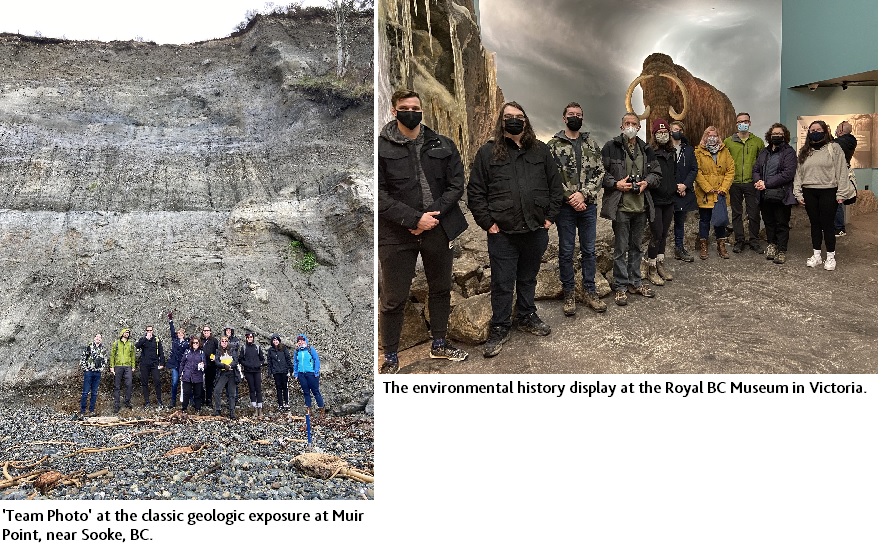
(621, 297)
(389, 367)
(705, 250)
(498, 336)
(643, 289)
(813, 261)
(533, 324)
(720, 248)
(737, 247)
(594, 302)
(448, 352)
(568, 303)
(780, 257)
(682, 254)
(770, 251)
(653, 275)
(756, 247)
(665, 273)
(830, 264)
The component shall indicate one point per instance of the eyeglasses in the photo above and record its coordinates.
(514, 117)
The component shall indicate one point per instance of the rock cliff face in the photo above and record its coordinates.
(138, 179)
(434, 47)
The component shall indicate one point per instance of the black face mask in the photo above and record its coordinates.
(514, 126)
(777, 140)
(816, 137)
(677, 136)
(409, 119)
(574, 123)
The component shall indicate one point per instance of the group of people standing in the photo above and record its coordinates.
(519, 186)
(201, 367)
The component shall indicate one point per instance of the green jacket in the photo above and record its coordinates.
(123, 353)
(744, 154)
(589, 179)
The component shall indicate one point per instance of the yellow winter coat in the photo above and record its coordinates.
(712, 176)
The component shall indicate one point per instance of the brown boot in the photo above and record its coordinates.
(705, 251)
(720, 247)
(663, 271)
(643, 268)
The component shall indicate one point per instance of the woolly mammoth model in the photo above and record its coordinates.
(672, 93)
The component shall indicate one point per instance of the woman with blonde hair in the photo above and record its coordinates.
(715, 174)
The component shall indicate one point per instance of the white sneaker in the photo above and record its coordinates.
(815, 260)
(830, 264)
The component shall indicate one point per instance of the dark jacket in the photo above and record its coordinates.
(665, 192)
(686, 172)
(209, 346)
(251, 357)
(614, 159)
(786, 171)
(278, 359)
(151, 351)
(519, 192)
(399, 187)
(189, 366)
(229, 363)
(848, 143)
(177, 348)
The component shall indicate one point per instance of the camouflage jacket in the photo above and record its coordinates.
(591, 172)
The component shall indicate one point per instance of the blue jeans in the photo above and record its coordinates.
(174, 388)
(583, 223)
(310, 383)
(679, 228)
(628, 228)
(704, 225)
(90, 385)
(840, 218)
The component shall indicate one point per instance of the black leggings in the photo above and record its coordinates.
(659, 229)
(282, 383)
(253, 379)
(820, 204)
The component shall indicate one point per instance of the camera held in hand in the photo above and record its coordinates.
(633, 180)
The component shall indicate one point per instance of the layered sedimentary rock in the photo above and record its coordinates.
(138, 179)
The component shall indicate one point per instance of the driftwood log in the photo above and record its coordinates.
(326, 466)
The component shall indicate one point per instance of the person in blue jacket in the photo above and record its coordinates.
(306, 366)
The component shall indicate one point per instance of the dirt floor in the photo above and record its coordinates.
(744, 315)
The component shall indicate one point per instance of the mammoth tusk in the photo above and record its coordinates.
(628, 99)
(681, 86)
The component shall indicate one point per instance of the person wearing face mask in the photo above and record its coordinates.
(631, 170)
(514, 193)
(774, 171)
(420, 181)
(684, 201)
(821, 182)
(580, 166)
(715, 174)
(848, 143)
(663, 197)
(744, 147)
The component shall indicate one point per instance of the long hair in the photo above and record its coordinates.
(703, 143)
(781, 126)
(499, 152)
(806, 148)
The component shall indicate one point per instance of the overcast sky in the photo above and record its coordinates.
(160, 21)
(556, 51)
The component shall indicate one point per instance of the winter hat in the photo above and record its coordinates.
(659, 125)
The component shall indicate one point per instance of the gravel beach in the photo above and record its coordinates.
(151, 454)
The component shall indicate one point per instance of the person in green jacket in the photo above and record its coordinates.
(744, 148)
(123, 363)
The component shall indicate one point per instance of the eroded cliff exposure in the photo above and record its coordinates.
(202, 179)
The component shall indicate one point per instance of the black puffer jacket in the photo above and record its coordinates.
(278, 359)
(665, 192)
(251, 357)
(519, 192)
